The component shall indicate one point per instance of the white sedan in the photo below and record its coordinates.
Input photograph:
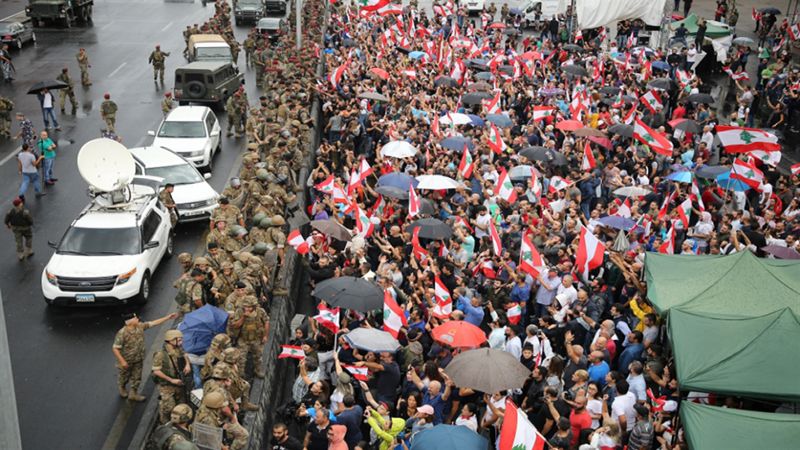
(192, 132)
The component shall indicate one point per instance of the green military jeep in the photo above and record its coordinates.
(206, 82)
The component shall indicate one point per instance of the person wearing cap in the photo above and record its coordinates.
(67, 92)
(422, 420)
(157, 59)
(226, 213)
(20, 222)
(167, 103)
(128, 349)
(83, 64)
(250, 325)
(108, 112)
(170, 369)
(225, 281)
(166, 199)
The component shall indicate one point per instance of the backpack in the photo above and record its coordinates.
(161, 435)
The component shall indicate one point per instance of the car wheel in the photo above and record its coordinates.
(210, 166)
(219, 147)
(18, 43)
(33, 37)
(170, 245)
(144, 289)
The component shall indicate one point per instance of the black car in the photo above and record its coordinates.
(16, 34)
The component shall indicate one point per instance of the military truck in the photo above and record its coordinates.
(275, 7)
(248, 11)
(59, 12)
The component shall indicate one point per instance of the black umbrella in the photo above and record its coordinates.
(486, 76)
(392, 192)
(49, 84)
(426, 207)
(477, 64)
(475, 98)
(332, 228)
(621, 129)
(609, 90)
(770, 10)
(350, 292)
(445, 81)
(403, 50)
(487, 370)
(689, 126)
(456, 143)
(507, 68)
(573, 48)
(700, 98)
(663, 84)
(574, 69)
(546, 155)
(511, 32)
(431, 229)
(480, 86)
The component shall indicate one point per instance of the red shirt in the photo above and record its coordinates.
(579, 422)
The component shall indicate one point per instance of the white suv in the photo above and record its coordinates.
(195, 198)
(192, 132)
(110, 252)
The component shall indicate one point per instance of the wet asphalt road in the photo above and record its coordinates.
(63, 367)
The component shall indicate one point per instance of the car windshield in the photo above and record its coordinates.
(180, 174)
(213, 52)
(249, 2)
(100, 241)
(176, 129)
(6, 28)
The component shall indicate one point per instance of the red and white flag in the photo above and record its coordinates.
(505, 188)
(557, 183)
(747, 173)
(665, 206)
(771, 158)
(417, 249)
(588, 162)
(517, 432)
(326, 186)
(444, 303)
(364, 170)
(359, 373)
(497, 243)
(328, 318)
(590, 253)
(466, 164)
(514, 314)
(297, 241)
(624, 209)
(372, 5)
(697, 196)
(685, 212)
(794, 32)
(492, 106)
(741, 75)
(394, 318)
(741, 139)
(413, 202)
(530, 261)
(540, 112)
(650, 137)
(668, 247)
(795, 168)
(390, 9)
(496, 140)
(364, 225)
(336, 75)
(652, 99)
(291, 351)
(353, 182)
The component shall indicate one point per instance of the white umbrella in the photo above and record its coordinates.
(456, 118)
(372, 340)
(437, 182)
(632, 191)
(399, 149)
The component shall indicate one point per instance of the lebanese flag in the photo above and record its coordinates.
(741, 139)
(297, 241)
(364, 226)
(747, 173)
(557, 183)
(505, 189)
(326, 187)
(540, 112)
(359, 373)
(514, 314)
(537, 187)
(653, 139)
(630, 116)
(336, 75)
(624, 210)
(463, 221)
(353, 182)
(496, 140)
(736, 76)
(588, 162)
(756, 16)
(328, 318)
(372, 5)
(497, 244)
(444, 303)
(665, 206)
(590, 253)
(517, 432)
(771, 158)
(794, 32)
(364, 170)
(492, 106)
(795, 169)
(668, 247)
(685, 212)
(698, 196)
(340, 195)
(683, 77)
(413, 202)
(530, 260)
(651, 100)
(291, 351)
(485, 267)
(390, 9)
(394, 317)
(435, 128)
(466, 164)
(418, 250)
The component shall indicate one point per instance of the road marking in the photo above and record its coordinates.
(15, 14)
(117, 69)
(107, 25)
(10, 155)
(166, 26)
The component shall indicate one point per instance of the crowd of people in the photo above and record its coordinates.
(579, 156)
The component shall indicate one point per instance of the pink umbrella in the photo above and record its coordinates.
(496, 26)
(602, 141)
(380, 73)
(569, 125)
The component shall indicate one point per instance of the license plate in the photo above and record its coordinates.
(191, 213)
(84, 298)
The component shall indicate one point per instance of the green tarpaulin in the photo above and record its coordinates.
(713, 30)
(713, 428)
(738, 285)
(758, 356)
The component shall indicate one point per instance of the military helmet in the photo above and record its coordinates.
(266, 222)
(181, 413)
(221, 371)
(262, 174)
(227, 265)
(278, 220)
(201, 260)
(250, 301)
(260, 248)
(184, 445)
(231, 355)
(171, 335)
(259, 217)
(214, 400)
(237, 230)
(185, 258)
(221, 340)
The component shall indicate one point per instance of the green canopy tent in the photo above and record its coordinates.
(713, 428)
(737, 285)
(755, 356)
(713, 29)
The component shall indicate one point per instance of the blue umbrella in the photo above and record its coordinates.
(416, 54)
(200, 326)
(516, 12)
(456, 143)
(705, 171)
(449, 437)
(661, 65)
(617, 222)
(476, 120)
(501, 120)
(726, 182)
(398, 180)
(683, 176)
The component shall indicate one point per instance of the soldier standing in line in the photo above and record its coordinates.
(108, 111)
(20, 221)
(249, 48)
(83, 64)
(157, 59)
(128, 348)
(68, 92)
(211, 414)
(214, 354)
(6, 105)
(184, 284)
(166, 199)
(252, 324)
(232, 111)
(170, 368)
(167, 104)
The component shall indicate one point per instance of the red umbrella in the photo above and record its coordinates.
(497, 26)
(380, 72)
(569, 125)
(457, 333)
(603, 141)
(531, 55)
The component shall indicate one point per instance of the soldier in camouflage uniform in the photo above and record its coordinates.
(239, 387)
(224, 282)
(166, 199)
(211, 414)
(249, 48)
(214, 354)
(68, 92)
(226, 212)
(216, 256)
(128, 348)
(171, 367)
(196, 295)
(233, 115)
(171, 435)
(167, 104)
(6, 106)
(83, 64)
(234, 299)
(157, 59)
(251, 323)
(184, 285)
(108, 111)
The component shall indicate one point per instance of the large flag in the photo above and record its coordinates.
(291, 351)
(588, 162)
(685, 212)
(771, 158)
(413, 202)
(668, 247)
(653, 139)
(496, 140)
(590, 253)
(747, 173)
(393, 316)
(372, 5)
(540, 112)
(466, 164)
(740, 139)
(517, 432)
(492, 106)
(328, 318)
(336, 75)
(497, 244)
(530, 260)
(505, 188)
(652, 100)
(444, 303)
(297, 241)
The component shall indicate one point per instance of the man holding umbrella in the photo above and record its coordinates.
(46, 102)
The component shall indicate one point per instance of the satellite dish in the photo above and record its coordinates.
(106, 165)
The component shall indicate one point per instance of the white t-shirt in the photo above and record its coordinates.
(595, 406)
(514, 346)
(471, 423)
(566, 295)
(637, 386)
(47, 100)
(482, 220)
(623, 406)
